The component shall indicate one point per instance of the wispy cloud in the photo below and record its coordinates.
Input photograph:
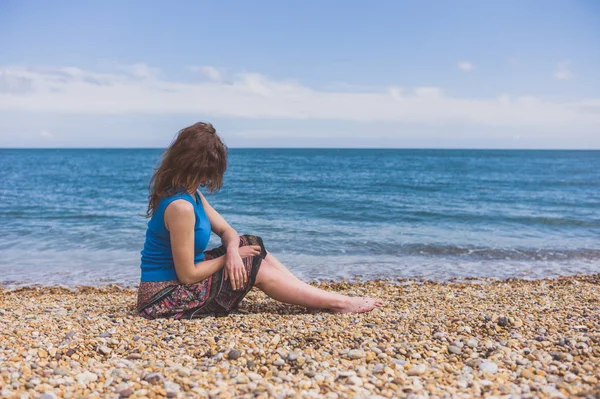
(253, 95)
(466, 66)
(563, 71)
(209, 71)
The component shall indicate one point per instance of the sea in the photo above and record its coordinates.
(76, 216)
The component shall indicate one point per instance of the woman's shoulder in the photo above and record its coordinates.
(174, 196)
(180, 202)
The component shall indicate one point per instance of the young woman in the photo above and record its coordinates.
(179, 278)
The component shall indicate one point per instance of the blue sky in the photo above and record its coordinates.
(466, 74)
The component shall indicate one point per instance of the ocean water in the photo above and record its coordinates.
(75, 216)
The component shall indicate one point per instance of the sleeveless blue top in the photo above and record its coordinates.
(157, 257)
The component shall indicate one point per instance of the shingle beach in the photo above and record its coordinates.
(508, 339)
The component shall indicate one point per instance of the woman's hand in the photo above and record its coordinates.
(234, 266)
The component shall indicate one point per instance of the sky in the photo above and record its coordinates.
(383, 74)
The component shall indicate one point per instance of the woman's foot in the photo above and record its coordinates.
(357, 304)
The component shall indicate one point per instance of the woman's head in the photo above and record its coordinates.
(196, 157)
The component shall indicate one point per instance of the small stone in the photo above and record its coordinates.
(502, 321)
(570, 377)
(454, 349)
(527, 373)
(136, 337)
(279, 362)
(254, 376)
(234, 354)
(354, 380)
(472, 343)
(172, 389)
(86, 377)
(61, 371)
(48, 395)
(153, 377)
(183, 372)
(105, 334)
(69, 335)
(419, 369)
(275, 340)
(105, 350)
(488, 367)
(356, 354)
(126, 392)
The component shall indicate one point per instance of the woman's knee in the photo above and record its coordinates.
(266, 273)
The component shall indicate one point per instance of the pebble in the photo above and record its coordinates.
(96, 347)
(279, 362)
(86, 377)
(153, 377)
(61, 371)
(354, 380)
(184, 372)
(356, 354)
(488, 367)
(502, 321)
(419, 369)
(125, 393)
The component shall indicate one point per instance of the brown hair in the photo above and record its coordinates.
(196, 157)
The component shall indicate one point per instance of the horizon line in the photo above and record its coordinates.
(316, 148)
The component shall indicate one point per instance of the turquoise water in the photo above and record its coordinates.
(73, 216)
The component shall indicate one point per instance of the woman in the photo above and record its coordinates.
(182, 280)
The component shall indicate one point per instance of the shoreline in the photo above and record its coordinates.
(14, 285)
(533, 338)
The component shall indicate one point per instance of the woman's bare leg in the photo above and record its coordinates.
(283, 286)
(275, 262)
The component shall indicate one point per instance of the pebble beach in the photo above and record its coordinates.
(485, 338)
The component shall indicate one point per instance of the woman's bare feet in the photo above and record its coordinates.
(357, 304)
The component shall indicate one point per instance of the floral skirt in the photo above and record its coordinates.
(213, 296)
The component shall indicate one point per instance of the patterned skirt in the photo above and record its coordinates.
(213, 296)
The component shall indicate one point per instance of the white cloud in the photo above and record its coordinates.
(141, 71)
(396, 93)
(252, 95)
(563, 71)
(209, 71)
(466, 66)
(46, 134)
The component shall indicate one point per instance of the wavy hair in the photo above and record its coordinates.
(196, 157)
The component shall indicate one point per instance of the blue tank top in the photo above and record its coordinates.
(157, 257)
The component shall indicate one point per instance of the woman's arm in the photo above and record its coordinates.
(180, 220)
(229, 237)
(234, 267)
